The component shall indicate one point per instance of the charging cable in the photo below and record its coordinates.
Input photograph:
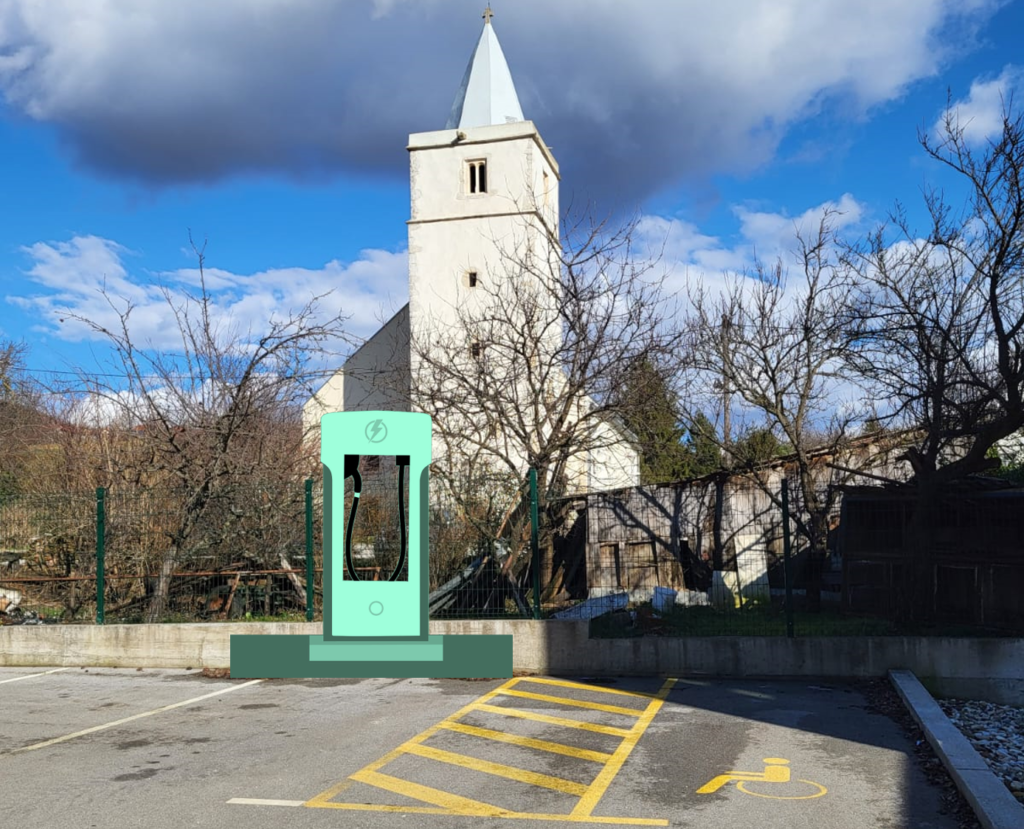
(352, 471)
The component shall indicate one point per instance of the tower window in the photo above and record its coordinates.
(476, 349)
(471, 279)
(477, 176)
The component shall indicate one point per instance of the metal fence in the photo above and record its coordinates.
(728, 557)
(254, 552)
(704, 558)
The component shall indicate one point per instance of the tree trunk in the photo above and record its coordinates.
(300, 590)
(158, 602)
(718, 551)
(918, 572)
(818, 544)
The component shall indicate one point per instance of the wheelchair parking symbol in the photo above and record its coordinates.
(776, 771)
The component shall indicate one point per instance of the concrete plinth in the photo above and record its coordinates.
(255, 656)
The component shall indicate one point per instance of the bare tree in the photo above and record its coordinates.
(220, 413)
(22, 421)
(527, 375)
(777, 349)
(939, 322)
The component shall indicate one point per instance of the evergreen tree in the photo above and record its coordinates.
(703, 453)
(653, 416)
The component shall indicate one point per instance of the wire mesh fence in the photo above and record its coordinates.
(137, 555)
(716, 557)
(736, 557)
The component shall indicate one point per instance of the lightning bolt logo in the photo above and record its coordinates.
(376, 431)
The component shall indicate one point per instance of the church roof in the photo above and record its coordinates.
(487, 95)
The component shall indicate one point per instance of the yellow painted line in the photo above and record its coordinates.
(330, 793)
(575, 703)
(445, 803)
(546, 718)
(96, 728)
(612, 768)
(426, 810)
(429, 794)
(255, 801)
(559, 784)
(527, 742)
(563, 683)
(370, 807)
(322, 798)
(30, 676)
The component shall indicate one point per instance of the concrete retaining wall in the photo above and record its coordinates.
(946, 665)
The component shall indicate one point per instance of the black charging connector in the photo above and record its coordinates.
(351, 465)
(401, 461)
(352, 471)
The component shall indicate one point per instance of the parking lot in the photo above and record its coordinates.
(152, 748)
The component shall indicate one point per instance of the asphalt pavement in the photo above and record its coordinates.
(155, 748)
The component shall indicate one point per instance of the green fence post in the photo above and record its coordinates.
(100, 554)
(534, 546)
(309, 550)
(785, 556)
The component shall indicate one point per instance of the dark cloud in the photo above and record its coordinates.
(633, 97)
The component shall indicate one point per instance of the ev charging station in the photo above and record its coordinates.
(374, 628)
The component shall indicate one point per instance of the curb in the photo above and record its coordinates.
(991, 801)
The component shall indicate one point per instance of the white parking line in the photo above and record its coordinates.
(96, 728)
(29, 676)
(255, 801)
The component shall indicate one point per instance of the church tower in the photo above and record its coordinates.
(484, 201)
(484, 221)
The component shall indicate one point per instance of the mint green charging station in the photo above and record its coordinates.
(374, 627)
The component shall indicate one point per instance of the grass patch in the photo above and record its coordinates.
(760, 621)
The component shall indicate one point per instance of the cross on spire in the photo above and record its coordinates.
(488, 14)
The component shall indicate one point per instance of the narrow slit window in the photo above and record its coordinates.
(471, 279)
(477, 178)
(475, 350)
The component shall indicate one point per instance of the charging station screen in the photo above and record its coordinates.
(376, 530)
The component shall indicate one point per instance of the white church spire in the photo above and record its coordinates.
(487, 95)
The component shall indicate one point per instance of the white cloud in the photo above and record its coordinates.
(70, 275)
(980, 114)
(690, 255)
(634, 99)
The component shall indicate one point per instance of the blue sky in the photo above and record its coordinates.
(276, 129)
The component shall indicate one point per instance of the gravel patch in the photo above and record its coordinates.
(997, 734)
(882, 698)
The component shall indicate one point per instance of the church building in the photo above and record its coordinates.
(484, 200)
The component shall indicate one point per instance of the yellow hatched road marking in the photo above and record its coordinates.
(556, 721)
(607, 774)
(445, 803)
(575, 703)
(371, 807)
(430, 810)
(428, 794)
(564, 683)
(559, 784)
(330, 793)
(546, 718)
(419, 738)
(527, 742)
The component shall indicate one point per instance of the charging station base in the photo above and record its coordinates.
(292, 656)
(395, 650)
